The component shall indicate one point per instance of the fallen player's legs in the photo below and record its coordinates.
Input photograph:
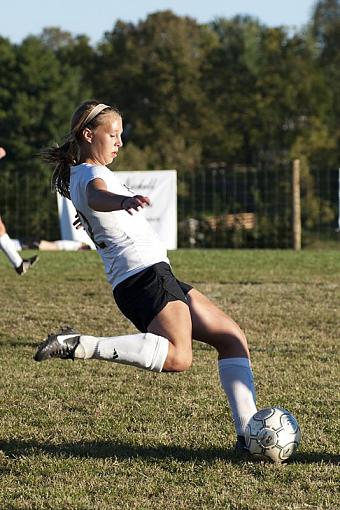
(61, 245)
(8, 247)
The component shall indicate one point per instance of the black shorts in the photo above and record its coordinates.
(142, 296)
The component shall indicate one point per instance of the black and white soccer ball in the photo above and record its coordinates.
(273, 434)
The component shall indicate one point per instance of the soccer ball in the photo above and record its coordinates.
(272, 434)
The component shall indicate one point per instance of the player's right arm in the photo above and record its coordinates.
(100, 199)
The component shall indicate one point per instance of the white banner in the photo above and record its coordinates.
(159, 185)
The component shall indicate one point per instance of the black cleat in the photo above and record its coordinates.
(59, 345)
(26, 264)
(241, 448)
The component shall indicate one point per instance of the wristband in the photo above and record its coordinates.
(122, 202)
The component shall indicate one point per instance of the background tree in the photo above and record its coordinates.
(153, 71)
(37, 99)
(230, 85)
(325, 27)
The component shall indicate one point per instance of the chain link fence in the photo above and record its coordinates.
(252, 208)
(217, 208)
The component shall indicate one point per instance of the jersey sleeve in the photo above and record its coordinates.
(91, 173)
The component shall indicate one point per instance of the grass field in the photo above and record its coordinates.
(94, 435)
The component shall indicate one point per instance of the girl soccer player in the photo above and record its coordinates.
(168, 313)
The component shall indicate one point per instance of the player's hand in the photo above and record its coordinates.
(129, 204)
(77, 223)
(2, 152)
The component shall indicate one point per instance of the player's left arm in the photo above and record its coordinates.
(100, 199)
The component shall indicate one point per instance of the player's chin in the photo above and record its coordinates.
(113, 156)
(109, 159)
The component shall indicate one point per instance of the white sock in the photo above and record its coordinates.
(237, 380)
(8, 247)
(142, 350)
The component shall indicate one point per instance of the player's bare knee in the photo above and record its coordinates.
(179, 362)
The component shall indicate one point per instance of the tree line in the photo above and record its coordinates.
(230, 92)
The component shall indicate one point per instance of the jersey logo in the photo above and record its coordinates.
(129, 189)
(115, 354)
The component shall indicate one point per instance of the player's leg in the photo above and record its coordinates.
(141, 350)
(149, 300)
(212, 326)
(167, 346)
(47, 245)
(68, 245)
(8, 247)
(174, 323)
(154, 301)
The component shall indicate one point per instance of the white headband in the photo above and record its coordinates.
(93, 113)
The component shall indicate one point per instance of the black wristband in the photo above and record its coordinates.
(122, 202)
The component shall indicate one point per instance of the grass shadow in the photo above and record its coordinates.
(315, 458)
(123, 451)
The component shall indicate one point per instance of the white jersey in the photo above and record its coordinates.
(126, 243)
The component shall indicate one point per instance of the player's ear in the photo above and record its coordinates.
(87, 135)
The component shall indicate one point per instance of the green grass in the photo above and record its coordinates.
(94, 435)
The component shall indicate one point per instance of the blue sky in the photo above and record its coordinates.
(19, 18)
